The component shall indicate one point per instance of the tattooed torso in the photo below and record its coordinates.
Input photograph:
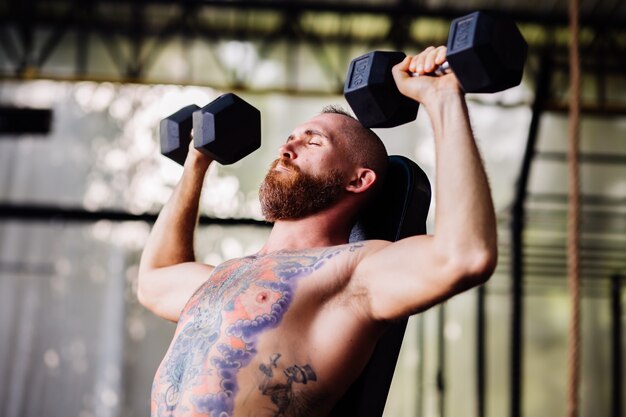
(266, 336)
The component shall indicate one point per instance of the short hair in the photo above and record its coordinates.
(337, 109)
(367, 150)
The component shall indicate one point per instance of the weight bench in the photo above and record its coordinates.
(399, 212)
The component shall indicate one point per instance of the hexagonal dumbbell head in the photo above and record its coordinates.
(175, 134)
(227, 129)
(372, 93)
(486, 51)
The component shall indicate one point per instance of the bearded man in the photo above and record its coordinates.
(253, 333)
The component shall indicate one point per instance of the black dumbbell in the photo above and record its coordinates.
(227, 129)
(486, 52)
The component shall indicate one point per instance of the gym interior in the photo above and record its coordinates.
(84, 86)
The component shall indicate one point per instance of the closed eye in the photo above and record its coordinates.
(316, 138)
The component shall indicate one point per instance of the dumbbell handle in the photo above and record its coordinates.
(442, 69)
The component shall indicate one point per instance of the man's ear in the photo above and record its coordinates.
(361, 180)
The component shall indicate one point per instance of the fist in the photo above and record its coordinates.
(195, 157)
(416, 75)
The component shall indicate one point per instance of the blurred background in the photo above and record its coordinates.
(83, 86)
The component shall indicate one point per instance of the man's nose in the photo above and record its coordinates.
(288, 150)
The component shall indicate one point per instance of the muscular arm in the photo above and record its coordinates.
(168, 274)
(413, 274)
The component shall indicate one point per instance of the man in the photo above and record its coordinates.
(258, 336)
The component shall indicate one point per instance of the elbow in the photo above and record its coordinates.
(483, 265)
(476, 267)
(143, 292)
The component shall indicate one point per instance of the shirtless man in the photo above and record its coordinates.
(274, 334)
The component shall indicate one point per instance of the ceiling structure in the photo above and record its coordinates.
(132, 41)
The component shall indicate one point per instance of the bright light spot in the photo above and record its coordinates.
(39, 94)
(617, 187)
(109, 397)
(177, 67)
(146, 192)
(252, 206)
(240, 57)
(453, 331)
(116, 160)
(213, 258)
(174, 98)
(102, 96)
(232, 248)
(267, 74)
(425, 153)
(131, 235)
(101, 230)
(51, 359)
(94, 97)
(136, 328)
(98, 195)
(254, 247)
(121, 108)
(169, 170)
(145, 143)
(224, 198)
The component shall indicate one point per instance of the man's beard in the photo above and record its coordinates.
(294, 195)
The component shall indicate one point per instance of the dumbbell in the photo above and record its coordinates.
(485, 51)
(227, 129)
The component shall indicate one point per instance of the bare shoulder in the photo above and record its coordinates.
(335, 268)
(165, 291)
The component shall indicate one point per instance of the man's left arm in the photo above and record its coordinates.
(413, 274)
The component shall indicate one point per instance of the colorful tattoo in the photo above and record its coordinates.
(288, 403)
(218, 330)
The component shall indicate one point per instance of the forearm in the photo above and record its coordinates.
(171, 240)
(465, 222)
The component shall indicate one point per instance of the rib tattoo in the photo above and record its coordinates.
(282, 394)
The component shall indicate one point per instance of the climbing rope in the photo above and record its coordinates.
(573, 222)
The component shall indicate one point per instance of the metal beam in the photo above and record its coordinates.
(616, 351)
(28, 212)
(608, 19)
(517, 247)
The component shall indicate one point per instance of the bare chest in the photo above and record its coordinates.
(222, 333)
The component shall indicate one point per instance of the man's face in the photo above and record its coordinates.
(289, 194)
(312, 170)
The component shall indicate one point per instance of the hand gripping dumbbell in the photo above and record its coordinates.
(485, 51)
(226, 129)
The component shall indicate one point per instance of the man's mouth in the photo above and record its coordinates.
(283, 166)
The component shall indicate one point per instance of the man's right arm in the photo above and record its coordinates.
(168, 273)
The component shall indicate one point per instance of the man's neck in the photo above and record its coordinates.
(318, 230)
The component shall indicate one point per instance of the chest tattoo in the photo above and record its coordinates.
(218, 330)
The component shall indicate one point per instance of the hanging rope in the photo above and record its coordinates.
(573, 223)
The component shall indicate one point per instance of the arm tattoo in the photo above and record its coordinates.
(280, 388)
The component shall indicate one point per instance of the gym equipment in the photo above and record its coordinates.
(486, 52)
(20, 121)
(227, 129)
(400, 211)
